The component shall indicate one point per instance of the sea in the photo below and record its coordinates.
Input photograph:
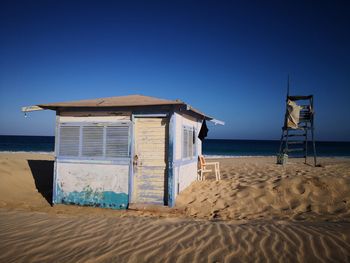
(211, 147)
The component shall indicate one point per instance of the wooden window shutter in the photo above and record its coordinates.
(185, 143)
(190, 142)
(69, 141)
(92, 141)
(117, 141)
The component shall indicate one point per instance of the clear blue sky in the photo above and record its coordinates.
(229, 59)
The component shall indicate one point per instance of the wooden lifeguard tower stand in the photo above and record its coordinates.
(295, 139)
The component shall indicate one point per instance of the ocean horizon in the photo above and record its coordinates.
(211, 147)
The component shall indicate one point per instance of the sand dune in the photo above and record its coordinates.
(258, 212)
(258, 188)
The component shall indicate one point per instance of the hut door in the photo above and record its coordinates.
(150, 161)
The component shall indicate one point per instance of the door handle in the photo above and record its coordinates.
(135, 160)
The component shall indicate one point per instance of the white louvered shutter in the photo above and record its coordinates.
(117, 141)
(190, 142)
(185, 143)
(92, 141)
(69, 141)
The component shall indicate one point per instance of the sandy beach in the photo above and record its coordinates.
(259, 211)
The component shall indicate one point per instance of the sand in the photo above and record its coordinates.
(259, 212)
(254, 188)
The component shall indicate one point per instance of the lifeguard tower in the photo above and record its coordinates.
(298, 128)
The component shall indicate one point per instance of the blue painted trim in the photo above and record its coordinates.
(124, 161)
(171, 179)
(54, 186)
(132, 153)
(57, 135)
(92, 160)
(176, 176)
(54, 181)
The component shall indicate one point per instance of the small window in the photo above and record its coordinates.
(188, 142)
(94, 140)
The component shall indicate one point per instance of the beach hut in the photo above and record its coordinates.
(117, 151)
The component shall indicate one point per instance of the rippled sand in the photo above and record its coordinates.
(258, 212)
(257, 188)
(32, 236)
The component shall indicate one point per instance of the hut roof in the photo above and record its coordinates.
(121, 101)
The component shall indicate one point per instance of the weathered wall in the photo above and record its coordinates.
(103, 185)
(185, 170)
(186, 174)
(181, 120)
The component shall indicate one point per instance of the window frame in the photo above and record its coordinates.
(104, 157)
(191, 146)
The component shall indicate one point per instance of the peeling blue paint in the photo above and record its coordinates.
(171, 179)
(88, 197)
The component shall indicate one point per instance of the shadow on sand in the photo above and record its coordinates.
(42, 171)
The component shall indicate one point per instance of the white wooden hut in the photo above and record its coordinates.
(112, 152)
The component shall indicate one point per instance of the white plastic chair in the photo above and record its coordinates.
(203, 168)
